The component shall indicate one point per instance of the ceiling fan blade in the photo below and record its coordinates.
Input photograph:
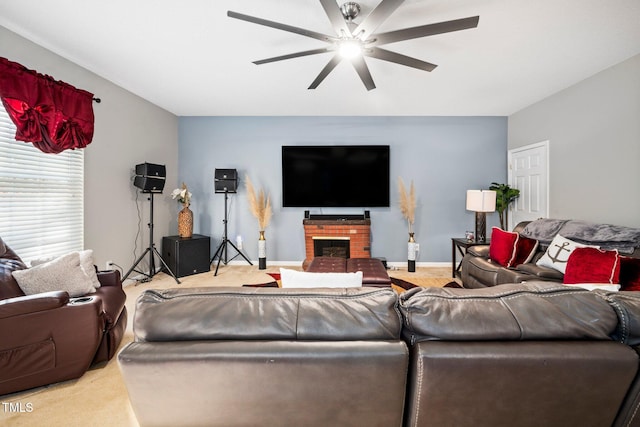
(363, 72)
(293, 55)
(325, 71)
(387, 55)
(425, 30)
(332, 10)
(376, 18)
(279, 26)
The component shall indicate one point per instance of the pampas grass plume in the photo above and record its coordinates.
(259, 205)
(407, 202)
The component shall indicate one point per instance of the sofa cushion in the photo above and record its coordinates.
(557, 254)
(544, 273)
(592, 265)
(303, 279)
(267, 313)
(524, 311)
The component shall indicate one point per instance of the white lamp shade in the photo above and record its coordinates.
(481, 200)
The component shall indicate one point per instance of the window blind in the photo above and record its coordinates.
(41, 197)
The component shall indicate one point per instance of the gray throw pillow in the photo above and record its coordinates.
(61, 274)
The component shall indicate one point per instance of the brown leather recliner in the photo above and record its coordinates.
(50, 337)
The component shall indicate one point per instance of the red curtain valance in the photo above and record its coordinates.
(53, 115)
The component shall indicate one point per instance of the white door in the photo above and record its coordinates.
(529, 173)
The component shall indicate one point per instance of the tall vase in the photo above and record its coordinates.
(411, 254)
(262, 251)
(185, 221)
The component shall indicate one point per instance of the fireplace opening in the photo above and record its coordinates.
(331, 247)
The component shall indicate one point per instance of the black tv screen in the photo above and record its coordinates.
(335, 176)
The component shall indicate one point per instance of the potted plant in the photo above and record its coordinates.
(505, 195)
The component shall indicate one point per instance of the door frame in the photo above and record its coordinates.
(542, 144)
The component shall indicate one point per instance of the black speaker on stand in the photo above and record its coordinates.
(225, 182)
(150, 179)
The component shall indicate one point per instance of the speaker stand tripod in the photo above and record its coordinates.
(223, 246)
(151, 250)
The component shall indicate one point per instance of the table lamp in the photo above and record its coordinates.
(481, 202)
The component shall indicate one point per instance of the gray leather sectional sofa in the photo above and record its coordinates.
(513, 355)
(479, 271)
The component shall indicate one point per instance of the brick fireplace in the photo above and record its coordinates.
(337, 237)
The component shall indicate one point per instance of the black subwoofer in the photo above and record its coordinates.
(225, 180)
(186, 256)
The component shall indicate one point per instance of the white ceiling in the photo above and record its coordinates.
(189, 58)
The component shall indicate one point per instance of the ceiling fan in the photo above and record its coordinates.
(355, 41)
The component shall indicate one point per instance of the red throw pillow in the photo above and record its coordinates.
(592, 265)
(629, 273)
(502, 246)
(525, 250)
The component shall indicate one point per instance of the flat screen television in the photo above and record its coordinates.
(335, 176)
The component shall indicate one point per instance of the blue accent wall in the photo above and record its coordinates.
(444, 156)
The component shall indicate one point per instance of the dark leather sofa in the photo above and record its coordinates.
(50, 337)
(479, 271)
(513, 355)
(267, 357)
(531, 354)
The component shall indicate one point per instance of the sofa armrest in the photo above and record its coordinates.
(32, 303)
(109, 278)
(47, 346)
(541, 272)
(479, 250)
(113, 300)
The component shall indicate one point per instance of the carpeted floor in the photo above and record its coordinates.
(99, 397)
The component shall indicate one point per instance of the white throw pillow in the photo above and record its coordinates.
(61, 274)
(303, 279)
(593, 286)
(557, 254)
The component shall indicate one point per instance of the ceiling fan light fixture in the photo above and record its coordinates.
(350, 10)
(350, 48)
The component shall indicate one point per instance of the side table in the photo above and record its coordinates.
(462, 244)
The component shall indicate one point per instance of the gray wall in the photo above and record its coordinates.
(594, 133)
(444, 156)
(128, 130)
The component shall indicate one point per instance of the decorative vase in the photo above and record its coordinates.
(262, 251)
(185, 221)
(411, 254)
